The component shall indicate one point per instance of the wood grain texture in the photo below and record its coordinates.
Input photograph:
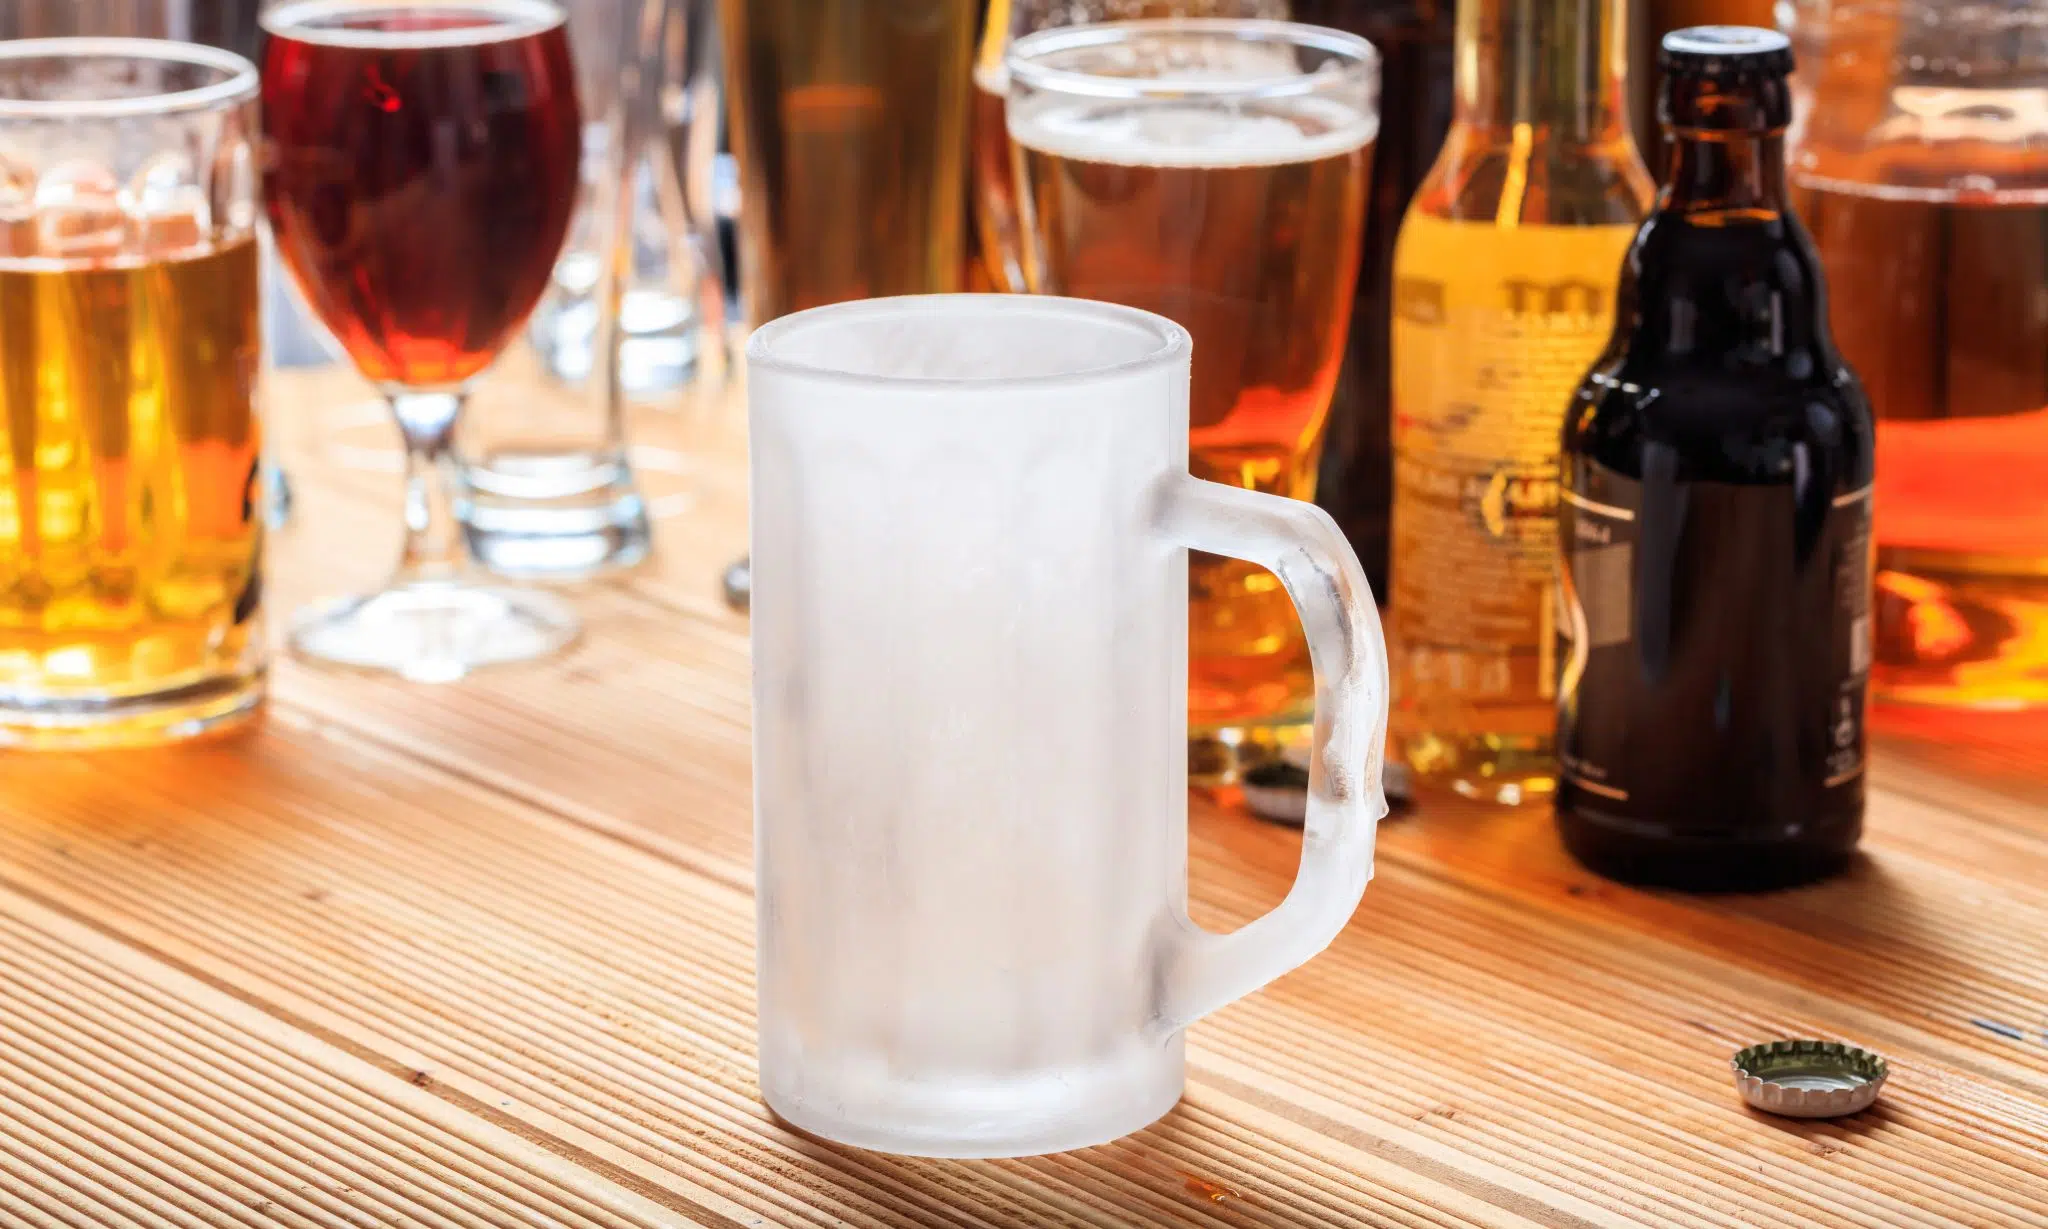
(482, 955)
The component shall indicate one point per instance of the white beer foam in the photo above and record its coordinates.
(1188, 133)
(509, 19)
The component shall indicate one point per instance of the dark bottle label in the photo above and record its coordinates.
(1714, 644)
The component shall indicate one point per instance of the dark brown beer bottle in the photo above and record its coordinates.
(1715, 520)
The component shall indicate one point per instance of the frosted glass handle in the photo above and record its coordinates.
(1300, 544)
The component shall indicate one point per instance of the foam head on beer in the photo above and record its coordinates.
(1193, 134)
(1239, 103)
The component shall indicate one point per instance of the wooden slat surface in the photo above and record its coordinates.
(482, 955)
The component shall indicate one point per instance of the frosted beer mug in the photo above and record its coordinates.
(971, 524)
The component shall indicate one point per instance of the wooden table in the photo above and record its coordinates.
(481, 955)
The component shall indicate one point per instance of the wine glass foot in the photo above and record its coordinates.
(435, 632)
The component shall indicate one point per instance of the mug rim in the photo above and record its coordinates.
(1174, 343)
(237, 85)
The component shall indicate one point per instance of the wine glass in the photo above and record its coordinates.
(421, 174)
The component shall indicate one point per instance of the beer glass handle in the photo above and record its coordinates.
(1300, 544)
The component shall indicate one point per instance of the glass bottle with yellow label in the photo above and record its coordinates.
(1504, 280)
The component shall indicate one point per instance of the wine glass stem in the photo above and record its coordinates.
(433, 538)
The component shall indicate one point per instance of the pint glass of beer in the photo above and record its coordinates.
(1213, 171)
(849, 123)
(850, 127)
(131, 538)
(995, 181)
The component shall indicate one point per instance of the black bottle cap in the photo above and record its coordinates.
(1726, 52)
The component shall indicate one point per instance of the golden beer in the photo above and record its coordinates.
(850, 126)
(1240, 220)
(995, 180)
(995, 183)
(131, 542)
(130, 526)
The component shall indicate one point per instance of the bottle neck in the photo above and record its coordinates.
(1730, 174)
(1555, 65)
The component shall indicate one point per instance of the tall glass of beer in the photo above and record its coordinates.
(995, 182)
(1213, 171)
(849, 122)
(131, 537)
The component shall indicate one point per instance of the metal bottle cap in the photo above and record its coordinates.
(1725, 51)
(1279, 791)
(1809, 1079)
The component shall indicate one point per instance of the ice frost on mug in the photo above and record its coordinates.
(971, 524)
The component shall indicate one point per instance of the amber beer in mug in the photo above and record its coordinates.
(130, 535)
(1225, 194)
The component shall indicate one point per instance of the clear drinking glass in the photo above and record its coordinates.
(658, 322)
(548, 488)
(131, 534)
(421, 175)
(971, 524)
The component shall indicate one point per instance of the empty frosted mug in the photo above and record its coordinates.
(971, 524)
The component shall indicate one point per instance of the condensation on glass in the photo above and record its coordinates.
(971, 525)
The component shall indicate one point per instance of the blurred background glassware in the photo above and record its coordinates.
(131, 534)
(662, 311)
(420, 177)
(227, 24)
(995, 183)
(1920, 165)
(849, 123)
(548, 484)
(290, 339)
(1213, 171)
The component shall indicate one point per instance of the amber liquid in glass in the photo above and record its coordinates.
(130, 545)
(1939, 300)
(850, 121)
(1257, 263)
(1504, 290)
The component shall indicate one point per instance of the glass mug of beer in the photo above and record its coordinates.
(1214, 171)
(971, 523)
(131, 536)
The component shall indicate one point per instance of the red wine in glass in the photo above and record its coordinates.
(421, 173)
(420, 168)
